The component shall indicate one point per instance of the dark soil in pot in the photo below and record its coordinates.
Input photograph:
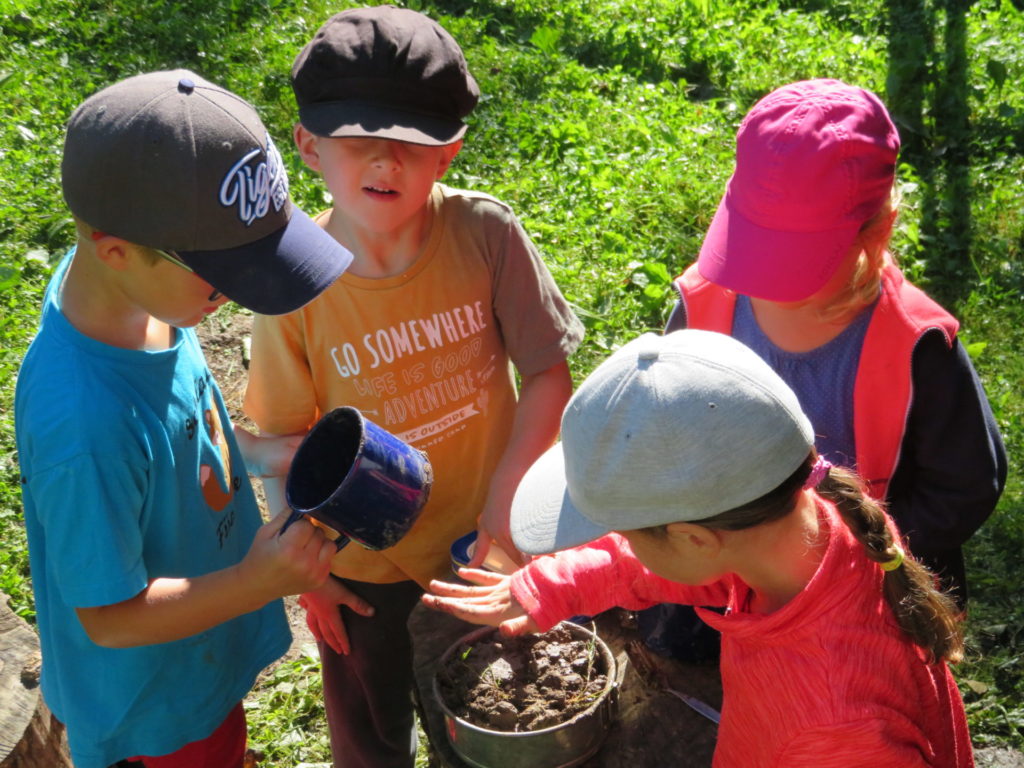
(522, 683)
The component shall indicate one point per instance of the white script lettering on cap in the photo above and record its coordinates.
(255, 186)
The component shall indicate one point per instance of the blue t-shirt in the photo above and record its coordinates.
(130, 471)
(822, 378)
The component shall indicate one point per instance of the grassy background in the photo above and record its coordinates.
(609, 127)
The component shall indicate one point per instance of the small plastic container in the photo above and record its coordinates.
(462, 552)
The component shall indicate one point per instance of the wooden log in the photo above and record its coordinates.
(30, 736)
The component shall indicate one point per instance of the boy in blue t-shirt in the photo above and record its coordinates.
(157, 589)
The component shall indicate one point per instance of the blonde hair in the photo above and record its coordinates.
(866, 281)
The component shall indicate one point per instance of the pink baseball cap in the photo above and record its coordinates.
(814, 161)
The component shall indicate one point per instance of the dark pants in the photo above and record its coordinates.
(368, 694)
(676, 631)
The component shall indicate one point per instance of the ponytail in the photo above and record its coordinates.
(928, 616)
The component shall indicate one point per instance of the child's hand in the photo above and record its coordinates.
(293, 562)
(323, 617)
(493, 528)
(267, 455)
(489, 603)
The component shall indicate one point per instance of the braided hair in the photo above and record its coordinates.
(929, 616)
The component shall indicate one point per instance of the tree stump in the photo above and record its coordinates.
(30, 736)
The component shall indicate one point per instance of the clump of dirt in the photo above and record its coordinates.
(523, 683)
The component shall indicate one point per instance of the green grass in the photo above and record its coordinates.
(609, 127)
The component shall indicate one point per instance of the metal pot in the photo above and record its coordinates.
(560, 746)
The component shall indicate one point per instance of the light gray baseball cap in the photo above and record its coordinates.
(670, 428)
(169, 160)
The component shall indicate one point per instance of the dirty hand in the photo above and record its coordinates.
(323, 617)
(295, 561)
(490, 602)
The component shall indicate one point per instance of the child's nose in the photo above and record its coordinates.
(385, 153)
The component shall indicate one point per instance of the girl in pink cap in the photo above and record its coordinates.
(796, 265)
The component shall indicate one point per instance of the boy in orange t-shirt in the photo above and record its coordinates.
(445, 291)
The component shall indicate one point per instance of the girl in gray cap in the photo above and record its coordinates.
(689, 467)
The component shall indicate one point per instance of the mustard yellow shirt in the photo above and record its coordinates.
(428, 356)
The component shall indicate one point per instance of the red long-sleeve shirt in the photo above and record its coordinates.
(829, 680)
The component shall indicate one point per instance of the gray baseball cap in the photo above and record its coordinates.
(384, 72)
(670, 428)
(169, 160)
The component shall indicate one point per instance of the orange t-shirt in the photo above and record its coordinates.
(425, 355)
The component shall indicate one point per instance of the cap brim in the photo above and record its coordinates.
(766, 263)
(350, 118)
(543, 517)
(278, 273)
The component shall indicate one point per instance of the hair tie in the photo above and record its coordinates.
(818, 472)
(896, 561)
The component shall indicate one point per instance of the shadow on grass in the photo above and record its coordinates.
(927, 93)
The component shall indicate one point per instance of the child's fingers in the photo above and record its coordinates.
(475, 612)
(356, 603)
(483, 544)
(335, 634)
(453, 606)
(314, 625)
(517, 626)
(325, 632)
(328, 549)
(445, 604)
(273, 526)
(448, 589)
(482, 577)
(298, 531)
(340, 643)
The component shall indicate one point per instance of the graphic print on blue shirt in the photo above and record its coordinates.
(217, 479)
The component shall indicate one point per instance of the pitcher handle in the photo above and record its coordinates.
(339, 542)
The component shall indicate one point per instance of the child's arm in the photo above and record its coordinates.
(174, 608)
(267, 456)
(321, 604)
(952, 467)
(597, 576)
(585, 580)
(538, 415)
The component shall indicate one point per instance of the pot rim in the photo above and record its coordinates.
(604, 698)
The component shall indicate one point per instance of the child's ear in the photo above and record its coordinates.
(695, 540)
(113, 251)
(450, 151)
(305, 142)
